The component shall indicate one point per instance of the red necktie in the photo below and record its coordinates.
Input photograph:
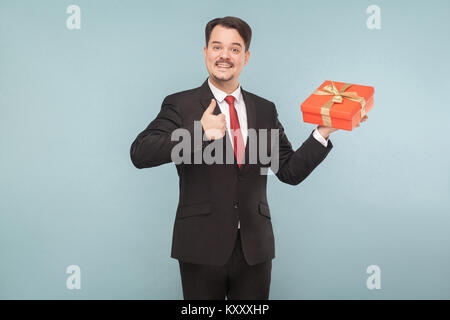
(236, 133)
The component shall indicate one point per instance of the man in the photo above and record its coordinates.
(222, 234)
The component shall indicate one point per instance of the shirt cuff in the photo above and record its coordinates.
(320, 138)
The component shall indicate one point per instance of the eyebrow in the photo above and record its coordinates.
(236, 43)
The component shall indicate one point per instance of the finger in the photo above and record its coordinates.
(211, 106)
(213, 133)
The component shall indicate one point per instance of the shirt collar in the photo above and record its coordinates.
(220, 95)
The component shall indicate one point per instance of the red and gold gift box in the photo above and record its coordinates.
(338, 105)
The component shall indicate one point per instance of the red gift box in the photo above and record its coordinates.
(338, 105)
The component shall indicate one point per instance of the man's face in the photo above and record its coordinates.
(225, 54)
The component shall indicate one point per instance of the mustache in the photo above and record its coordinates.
(222, 61)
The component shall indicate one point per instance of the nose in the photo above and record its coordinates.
(225, 54)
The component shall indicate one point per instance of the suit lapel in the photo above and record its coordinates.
(251, 125)
(205, 99)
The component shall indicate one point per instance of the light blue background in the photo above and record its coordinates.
(73, 101)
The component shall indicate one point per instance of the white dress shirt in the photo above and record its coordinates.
(241, 111)
(239, 105)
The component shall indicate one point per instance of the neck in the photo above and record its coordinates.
(226, 86)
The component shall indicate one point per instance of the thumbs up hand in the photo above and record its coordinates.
(213, 125)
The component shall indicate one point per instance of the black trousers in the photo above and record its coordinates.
(236, 280)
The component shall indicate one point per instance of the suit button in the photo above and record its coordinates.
(235, 205)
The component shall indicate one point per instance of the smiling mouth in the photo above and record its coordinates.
(224, 65)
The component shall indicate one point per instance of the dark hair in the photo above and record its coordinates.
(240, 25)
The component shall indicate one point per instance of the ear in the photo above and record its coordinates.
(247, 56)
(204, 52)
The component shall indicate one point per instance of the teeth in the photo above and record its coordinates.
(224, 65)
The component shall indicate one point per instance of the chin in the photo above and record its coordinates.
(222, 77)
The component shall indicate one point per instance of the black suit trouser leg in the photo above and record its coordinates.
(236, 280)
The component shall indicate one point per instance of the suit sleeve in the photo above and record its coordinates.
(153, 146)
(295, 166)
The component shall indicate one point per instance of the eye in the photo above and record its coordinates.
(216, 47)
(236, 50)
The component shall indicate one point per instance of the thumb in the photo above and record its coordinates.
(211, 106)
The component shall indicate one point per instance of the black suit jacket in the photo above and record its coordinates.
(214, 197)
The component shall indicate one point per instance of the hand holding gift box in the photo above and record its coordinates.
(326, 131)
(338, 105)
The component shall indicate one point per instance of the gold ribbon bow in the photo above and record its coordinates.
(338, 95)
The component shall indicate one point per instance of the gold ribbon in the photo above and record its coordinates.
(338, 95)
